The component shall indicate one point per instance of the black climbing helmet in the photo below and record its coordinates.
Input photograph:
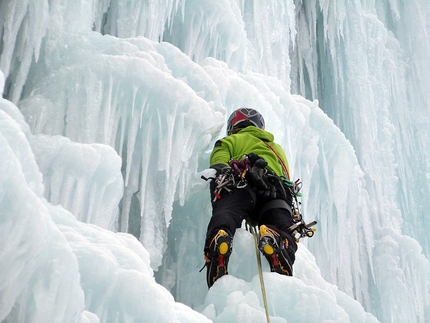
(242, 118)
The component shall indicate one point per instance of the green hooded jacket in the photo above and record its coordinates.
(250, 140)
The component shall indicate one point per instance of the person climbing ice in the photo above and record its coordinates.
(250, 183)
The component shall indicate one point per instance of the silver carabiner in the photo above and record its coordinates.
(242, 183)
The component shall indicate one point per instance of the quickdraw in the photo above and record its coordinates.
(300, 229)
(225, 181)
(230, 177)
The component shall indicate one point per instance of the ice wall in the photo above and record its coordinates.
(30, 241)
(59, 269)
(131, 95)
(54, 267)
(364, 61)
(361, 60)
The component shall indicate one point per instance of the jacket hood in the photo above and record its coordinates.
(259, 133)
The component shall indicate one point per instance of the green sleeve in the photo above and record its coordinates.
(220, 154)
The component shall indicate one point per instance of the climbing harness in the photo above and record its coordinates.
(234, 176)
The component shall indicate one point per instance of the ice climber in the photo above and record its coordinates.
(250, 183)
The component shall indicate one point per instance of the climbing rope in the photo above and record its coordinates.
(260, 272)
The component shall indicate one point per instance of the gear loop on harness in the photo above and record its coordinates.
(300, 229)
(228, 178)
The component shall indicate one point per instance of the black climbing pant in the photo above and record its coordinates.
(231, 209)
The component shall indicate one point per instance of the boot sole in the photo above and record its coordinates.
(223, 250)
(267, 247)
